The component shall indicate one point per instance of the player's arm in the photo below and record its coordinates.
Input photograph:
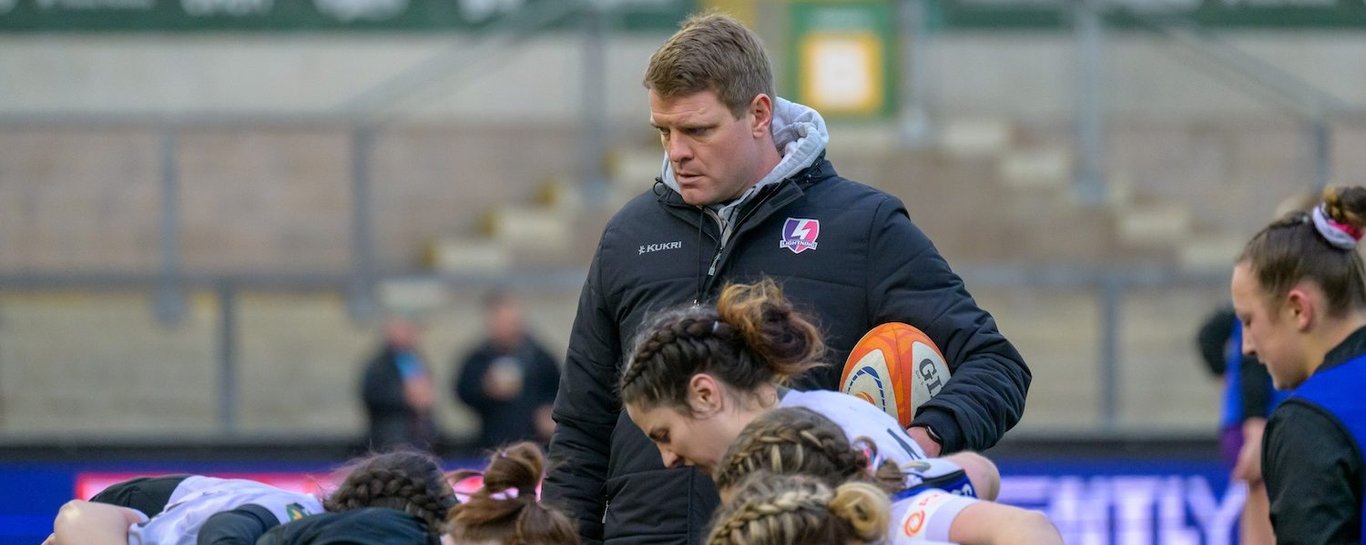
(240, 526)
(991, 523)
(87, 523)
(910, 282)
(585, 413)
(963, 473)
(1304, 461)
(981, 472)
(938, 516)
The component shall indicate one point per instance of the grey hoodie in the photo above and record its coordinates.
(801, 136)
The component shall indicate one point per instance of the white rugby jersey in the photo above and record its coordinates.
(858, 418)
(197, 498)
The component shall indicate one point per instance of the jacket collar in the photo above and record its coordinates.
(763, 202)
(820, 169)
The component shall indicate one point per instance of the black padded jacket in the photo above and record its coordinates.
(869, 265)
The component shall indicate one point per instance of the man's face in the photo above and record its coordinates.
(1269, 331)
(715, 157)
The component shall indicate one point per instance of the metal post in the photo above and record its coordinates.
(915, 124)
(1322, 137)
(1090, 131)
(594, 102)
(227, 358)
(1112, 297)
(169, 301)
(360, 299)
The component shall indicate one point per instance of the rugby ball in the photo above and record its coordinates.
(897, 368)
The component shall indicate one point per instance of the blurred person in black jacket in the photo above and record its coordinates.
(397, 390)
(509, 379)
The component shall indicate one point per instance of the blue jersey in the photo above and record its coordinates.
(1337, 390)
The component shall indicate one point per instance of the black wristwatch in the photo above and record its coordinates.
(933, 434)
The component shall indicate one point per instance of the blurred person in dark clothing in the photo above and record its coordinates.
(397, 390)
(1248, 400)
(509, 379)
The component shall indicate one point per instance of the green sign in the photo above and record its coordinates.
(308, 15)
(842, 57)
(1055, 14)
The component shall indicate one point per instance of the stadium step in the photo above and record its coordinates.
(1048, 168)
(967, 138)
(1154, 224)
(1211, 252)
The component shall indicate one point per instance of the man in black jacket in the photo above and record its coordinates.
(509, 379)
(746, 192)
(396, 388)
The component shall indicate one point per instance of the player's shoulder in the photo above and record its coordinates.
(833, 405)
(646, 210)
(838, 190)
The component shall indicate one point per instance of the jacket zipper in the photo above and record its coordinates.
(728, 232)
(723, 238)
(721, 242)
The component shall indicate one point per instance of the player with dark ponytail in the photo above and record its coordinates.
(505, 511)
(1299, 289)
(699, 374)
(395, 498)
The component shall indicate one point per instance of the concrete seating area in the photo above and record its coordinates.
(451, 201)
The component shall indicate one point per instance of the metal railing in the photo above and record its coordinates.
(1109, 287)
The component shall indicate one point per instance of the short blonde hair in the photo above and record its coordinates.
(712, 51)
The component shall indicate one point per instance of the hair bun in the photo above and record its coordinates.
(864, 507)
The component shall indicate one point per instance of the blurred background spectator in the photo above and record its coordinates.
(509, 379)
(397, 391)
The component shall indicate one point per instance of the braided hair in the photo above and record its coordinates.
(1295, 248)
(404, 480)
(800, 510)
(799, 440)
(752, 337)
(505, 510)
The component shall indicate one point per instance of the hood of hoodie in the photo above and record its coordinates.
(800, 134)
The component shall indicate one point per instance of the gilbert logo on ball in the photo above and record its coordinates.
(897, 368)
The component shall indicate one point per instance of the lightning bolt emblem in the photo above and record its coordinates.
(799, 234)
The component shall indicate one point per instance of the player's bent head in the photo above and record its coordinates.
(752, 337)
(770, 509)
(798, 440)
